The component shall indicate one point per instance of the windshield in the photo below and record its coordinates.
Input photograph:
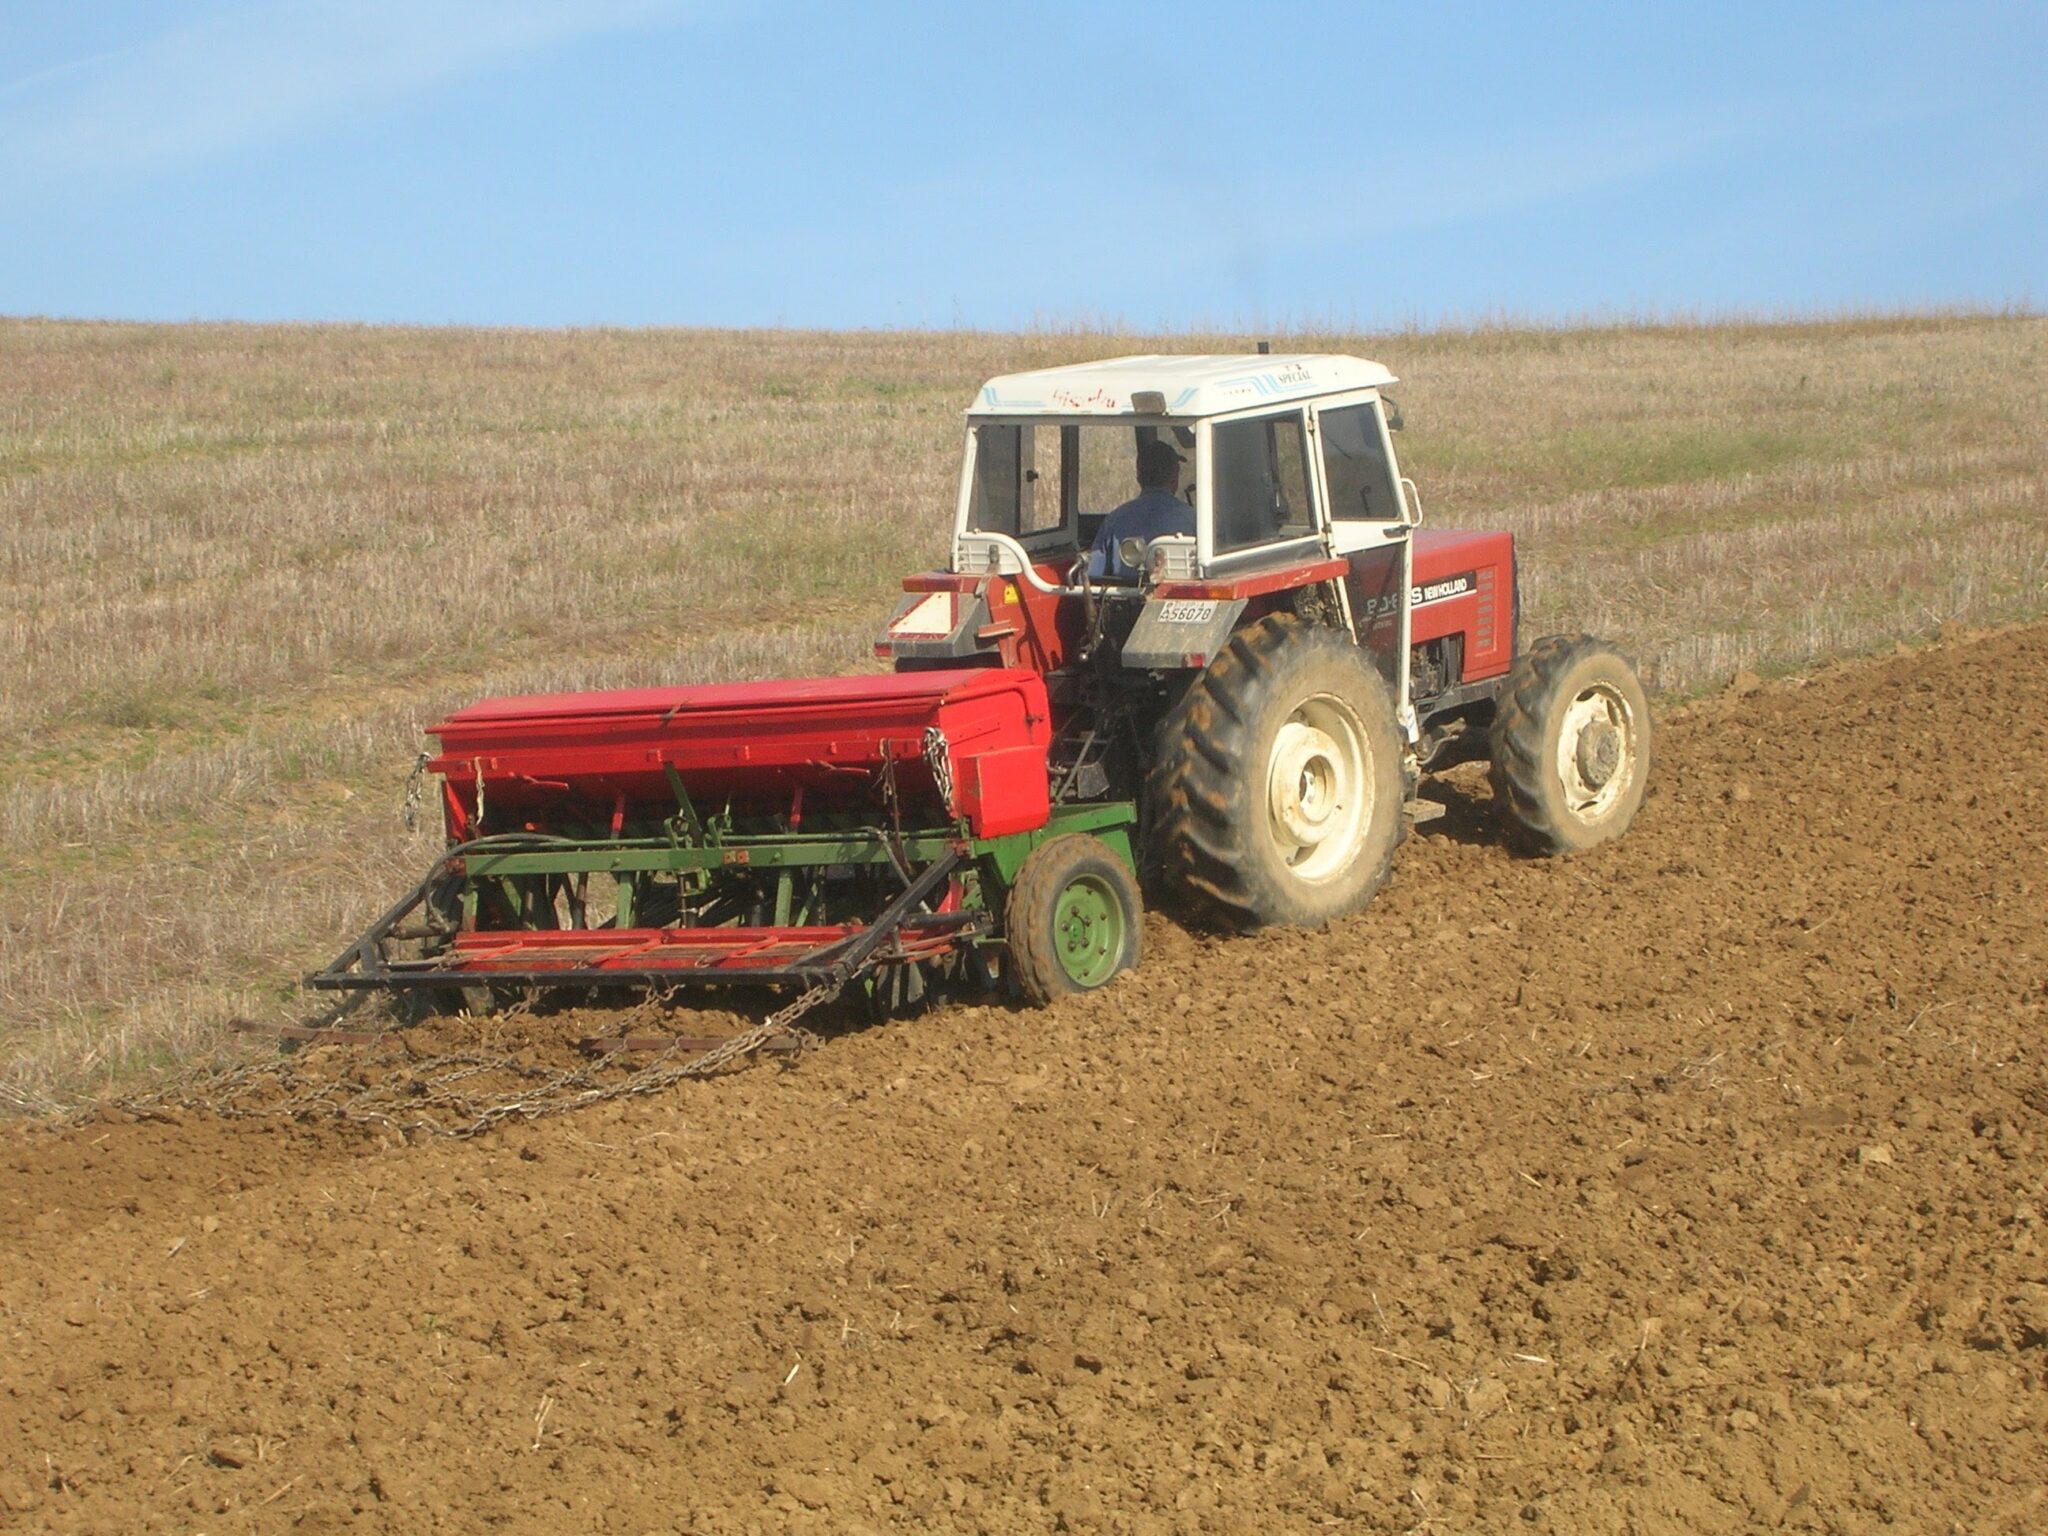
(1050, 484)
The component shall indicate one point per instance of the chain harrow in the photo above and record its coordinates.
(437, 1095)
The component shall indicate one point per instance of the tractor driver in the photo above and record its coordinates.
(1155, 511)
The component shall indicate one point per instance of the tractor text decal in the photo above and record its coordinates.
(1442, 590)
(1072, 400)
(1382, 605)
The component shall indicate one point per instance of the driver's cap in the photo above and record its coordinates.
(1156, 461)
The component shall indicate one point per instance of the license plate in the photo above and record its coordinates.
(1186, 611)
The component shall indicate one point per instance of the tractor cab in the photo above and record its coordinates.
(1283, 459)
(1288, 492)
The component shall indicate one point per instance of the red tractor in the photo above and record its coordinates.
(1233, 681)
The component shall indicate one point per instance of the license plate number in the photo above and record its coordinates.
(1186, 611)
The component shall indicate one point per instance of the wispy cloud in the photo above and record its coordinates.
(43, 77)
(1431, 187)
(260, 71)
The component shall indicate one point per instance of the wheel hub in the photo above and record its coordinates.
(1088, 930)
(1599, 753)
(1305, 784)
(1318, 788)
(1596, 752)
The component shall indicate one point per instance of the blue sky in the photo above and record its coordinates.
(639, 162)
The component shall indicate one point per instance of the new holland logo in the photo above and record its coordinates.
(1442, 590)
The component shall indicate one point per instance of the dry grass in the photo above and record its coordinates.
(240, 566)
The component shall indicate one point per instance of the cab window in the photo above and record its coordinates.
(1259, 481)
(1355, 464)
(998, 478)
(1051, 484)
(1016, 481)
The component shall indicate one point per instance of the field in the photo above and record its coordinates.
(240, 567)
(1693, 1185)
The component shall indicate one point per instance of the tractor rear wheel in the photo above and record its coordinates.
(1570, 745)
(1276, 793)
(1074, 918)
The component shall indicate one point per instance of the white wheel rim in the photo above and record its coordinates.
(1319, 788)
(1596, 752)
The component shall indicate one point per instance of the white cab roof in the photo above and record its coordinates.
(1192, 386)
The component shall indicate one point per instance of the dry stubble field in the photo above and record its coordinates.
(1694, 1185)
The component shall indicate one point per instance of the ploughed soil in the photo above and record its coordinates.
(1695, 1184)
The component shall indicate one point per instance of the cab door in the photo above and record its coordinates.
(1369, 524)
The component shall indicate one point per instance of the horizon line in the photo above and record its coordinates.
(1500, 322)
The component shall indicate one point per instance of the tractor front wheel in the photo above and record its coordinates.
(1570, 746)
(1074, 919)
(1276, 795)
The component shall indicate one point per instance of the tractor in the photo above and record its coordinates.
(1232, 708)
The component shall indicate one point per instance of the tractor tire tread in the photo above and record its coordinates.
(1206, 741)
(1519, 748)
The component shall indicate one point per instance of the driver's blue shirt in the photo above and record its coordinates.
(1148, 515)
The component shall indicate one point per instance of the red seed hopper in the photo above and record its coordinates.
(822, 746)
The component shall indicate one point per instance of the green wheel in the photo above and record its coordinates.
(1074, 918)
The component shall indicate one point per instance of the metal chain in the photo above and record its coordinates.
(430, 1088)
(415, 783)
(747, 1042)
(556, 1097)
(938, 753)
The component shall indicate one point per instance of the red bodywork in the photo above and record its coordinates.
(1027, 628)
(1464, 583)
(763, 748)
(1460, 584)
(1283, 578)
